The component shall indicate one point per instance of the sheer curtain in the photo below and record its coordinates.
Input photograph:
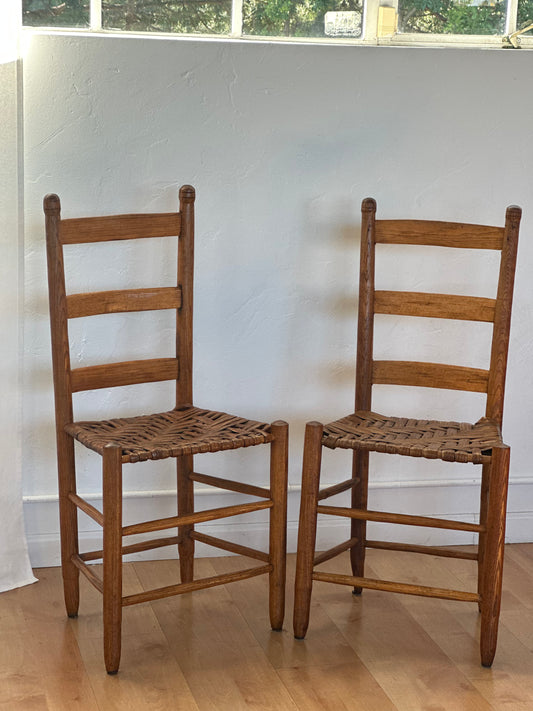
(15, 567)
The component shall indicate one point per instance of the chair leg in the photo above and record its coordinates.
(358, 528)
(483, 508)
(307, 527)
(112, 507)
(185, 506)
(68, 516)
(492, 573)
(278, 522)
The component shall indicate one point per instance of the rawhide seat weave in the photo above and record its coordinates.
(171, 434)
(182, 433)
(365, 432)
(432, 439)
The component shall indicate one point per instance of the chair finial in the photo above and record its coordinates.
(368, 205)
(51, 204)
(514, 213)
(187, 193)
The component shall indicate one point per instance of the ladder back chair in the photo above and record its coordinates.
(180, 433)
(365, 431)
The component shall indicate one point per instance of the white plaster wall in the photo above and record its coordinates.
(282, 142)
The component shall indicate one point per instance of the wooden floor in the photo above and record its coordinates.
(213, 649)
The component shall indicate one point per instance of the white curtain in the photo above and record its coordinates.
(15, 567)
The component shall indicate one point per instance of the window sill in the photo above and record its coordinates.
(399, 40)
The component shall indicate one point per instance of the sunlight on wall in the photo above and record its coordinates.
(10, 31)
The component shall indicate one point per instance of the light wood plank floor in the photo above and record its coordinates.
(213, 649)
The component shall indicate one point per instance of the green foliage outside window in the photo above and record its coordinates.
(189, 16)
(448, 17)
(55, 13)
(525, 14)
(291, 18)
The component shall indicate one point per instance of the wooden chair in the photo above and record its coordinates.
(180, 433)
(365, 431)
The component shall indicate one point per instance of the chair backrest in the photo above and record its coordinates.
(496, 311)
(61, 233)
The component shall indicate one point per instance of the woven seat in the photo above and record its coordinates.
(365, 431)
(171, 434)
(180, 433)
(432, 439)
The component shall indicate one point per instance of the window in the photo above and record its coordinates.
(449, 17)
(506, 23)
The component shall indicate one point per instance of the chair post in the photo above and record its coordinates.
(278, 521)
(307, 527)
(184, 316)
(363, 378)
(502, 316)
(184, 393)
(365, 321)
(492, 573)
(68, 514)
(112, 592)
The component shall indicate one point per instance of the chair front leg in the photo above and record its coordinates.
(112, 593)
(358, 528)
(278, 522)
(483, 509)
(185, 506)
(312, 460)
(492, 562)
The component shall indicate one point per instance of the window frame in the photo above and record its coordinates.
(369, 31)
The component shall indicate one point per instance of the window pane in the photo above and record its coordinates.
(478, 17)
(190, 16)
(302, 18)
(55, 13)
(525, 15)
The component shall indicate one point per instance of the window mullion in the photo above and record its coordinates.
(95, 15)
(370, 20)
(236, 18)
(511, 16)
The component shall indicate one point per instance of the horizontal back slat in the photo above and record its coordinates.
(412, 303)
(127, 373)
(114, 227)
(121, 301)
(429, 375)
(439, 234)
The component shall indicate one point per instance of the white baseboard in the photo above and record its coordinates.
(455, 499)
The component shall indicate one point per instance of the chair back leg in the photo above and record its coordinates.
(68, 519)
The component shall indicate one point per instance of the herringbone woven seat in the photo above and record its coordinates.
(432, 439)
(171, 434)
